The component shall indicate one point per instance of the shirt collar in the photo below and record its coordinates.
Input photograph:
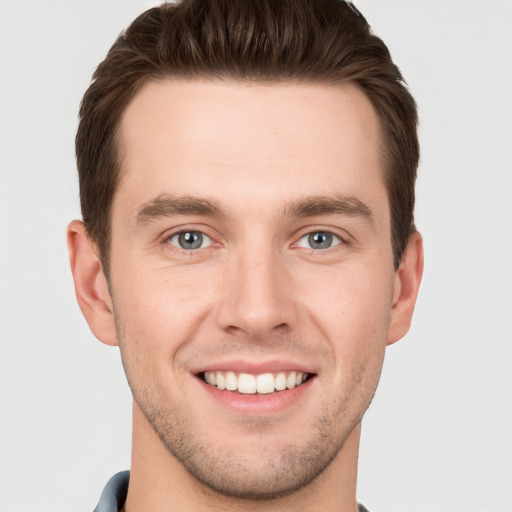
(114, 495)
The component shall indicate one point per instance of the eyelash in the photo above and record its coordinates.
(168, 237)
(337, 240)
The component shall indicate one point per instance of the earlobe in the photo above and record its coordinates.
(407, 283)
(90, 284)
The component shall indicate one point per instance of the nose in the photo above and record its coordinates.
(257, 296)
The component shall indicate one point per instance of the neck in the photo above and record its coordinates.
(159, 482)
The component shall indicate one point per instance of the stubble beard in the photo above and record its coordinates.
(249, 475)
(254, 476)
(259, 475)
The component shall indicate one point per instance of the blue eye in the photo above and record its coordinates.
(319, 240)
(190, 240)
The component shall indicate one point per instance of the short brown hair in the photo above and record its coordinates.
(318, 41)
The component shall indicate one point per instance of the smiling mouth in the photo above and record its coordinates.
(248, 384)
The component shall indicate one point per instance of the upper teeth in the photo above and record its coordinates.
(250, 384)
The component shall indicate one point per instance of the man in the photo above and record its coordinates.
(247, 176)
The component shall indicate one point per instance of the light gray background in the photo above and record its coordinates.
(439, 434)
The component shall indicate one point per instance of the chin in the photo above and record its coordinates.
(259, 467)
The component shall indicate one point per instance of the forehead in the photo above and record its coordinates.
(237, 142)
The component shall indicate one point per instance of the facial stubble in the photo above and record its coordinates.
(258, 474)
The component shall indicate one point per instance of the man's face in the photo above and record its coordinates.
(251, 236)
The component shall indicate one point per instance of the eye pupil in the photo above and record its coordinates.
(190, 239)
(320, 240)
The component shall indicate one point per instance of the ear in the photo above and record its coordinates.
(407, 284)
(91, 287)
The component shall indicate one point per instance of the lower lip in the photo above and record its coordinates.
(258, 404)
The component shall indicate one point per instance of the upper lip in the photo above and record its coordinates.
(253, 367)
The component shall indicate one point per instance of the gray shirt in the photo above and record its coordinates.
(114, 495)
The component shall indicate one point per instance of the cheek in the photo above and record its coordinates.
(352, 312)
(357, 320)
(161, 308)
(154, 319)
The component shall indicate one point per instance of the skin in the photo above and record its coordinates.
(255, 292)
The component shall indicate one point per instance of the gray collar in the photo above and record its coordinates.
(114, 495)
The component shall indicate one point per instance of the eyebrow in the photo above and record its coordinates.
(166, 206)
(347, 206)
(312, 206)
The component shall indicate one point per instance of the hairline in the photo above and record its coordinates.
(119, 148)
